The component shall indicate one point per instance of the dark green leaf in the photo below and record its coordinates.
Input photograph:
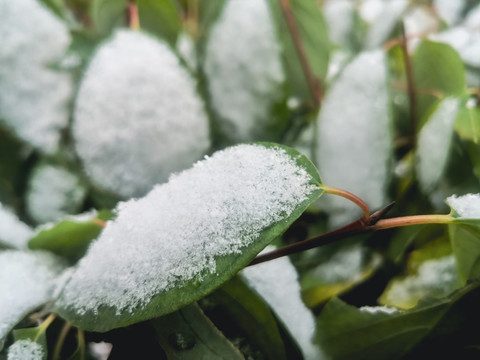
(465, 241)
(467, 124)
(189, 334)
(108, 14)
(160, 17)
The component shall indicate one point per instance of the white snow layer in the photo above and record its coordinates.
(137, 116)
(277, 282)
(25, 350)
(450, 11)
(379, 309)
(464, 40)
(33, 97)
(176, 232)
(244, 69)
(53, 192)
(354, 135)
(466, 206)
(27, 280)
(433, 143)
(339, 16)
(13, 232)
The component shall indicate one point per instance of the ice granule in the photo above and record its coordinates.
(433, 143)
(33, 97)
(53, 192)
(244, 69)
(466, 206)
(25, 350)
(354, 135)
(379, 309)
(175, 233)
(138, 116)
(277, 283)
(27, 280)
(13, 232)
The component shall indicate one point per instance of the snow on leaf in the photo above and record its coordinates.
(137, 117)
(465, 206)
(27, 280)
(25, 349)
(33, 39)
(188, 236)
(434, 141)
(244, 69)
(354, 135)
(464, 40)
(13, 232)
(277, 282)
(53, 192)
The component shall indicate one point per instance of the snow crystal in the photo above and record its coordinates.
(175, 233)
(434, 143)
(27, 280)
(53, 192)
(244, 69)
(354, 135)
(379, 309)
(138, 117)
(25, 350)
(277, 282)
(465, 41)
(13, 232)
(466, 206)
(32, 39)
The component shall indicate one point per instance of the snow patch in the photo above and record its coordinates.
(25, 350)
(13, 232)
(466, 206)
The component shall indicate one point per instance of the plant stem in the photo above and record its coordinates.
(46, 323)
(81, 343)
(313, 82)
(132, 15)
(60, 341)
(410, 85)
(411, 220)
(352, 197)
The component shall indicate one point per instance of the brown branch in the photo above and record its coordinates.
(133, 20)
(313, 82)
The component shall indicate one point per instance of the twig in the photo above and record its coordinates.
(349, 196)
(60, 341)
(133, 20)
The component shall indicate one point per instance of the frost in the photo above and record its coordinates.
(244, 69)
(13, 232)
(466, 206)
(175, 233)
(434, 143)
(277, 282)
(33, 39)
(138, 117)
(53, 192)
(27, 280)
(25, 350)
(379, 310)
(354, 135)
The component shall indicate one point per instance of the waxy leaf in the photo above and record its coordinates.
(187, 237)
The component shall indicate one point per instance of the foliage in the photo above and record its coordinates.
(153, 152)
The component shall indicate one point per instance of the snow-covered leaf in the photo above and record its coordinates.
(354, 134)
(433, 145)
(138, 117)
(187, 237)
(244, 71)
(464, 40)
(13, 232)
(32, 39)
(27, 280)
(26, 349)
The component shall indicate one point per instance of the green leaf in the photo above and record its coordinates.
(346, 332)
(438, 71)
(108, 14)
(189, 236)
(160, 17)
(467, 124)
(36, 335)
(70, 238)
(189, 334)
(314, 36)
(465, 241)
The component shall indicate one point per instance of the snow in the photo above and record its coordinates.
(175, 233)
(472, 19)
(244, 69)
(25, 350)
(433, 143)
(33, 39)
(27, 280)
(138, 117)
(450, 11)
(53, 192)
(354, 135)
(420, 21)
(339, 16)
(379, 310)
(13, 232)
(466, 206)
(465, 41)
(277, 283)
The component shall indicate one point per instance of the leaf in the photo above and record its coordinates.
(438, 71)
(354, 139)
(467, 123)
(27, 349)
(383, 333)
(434, 139)
(31, 337)
(69, 238)
(189, 334)
(108, 14)
(189, 236)
(160, 17)
(314, 36)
